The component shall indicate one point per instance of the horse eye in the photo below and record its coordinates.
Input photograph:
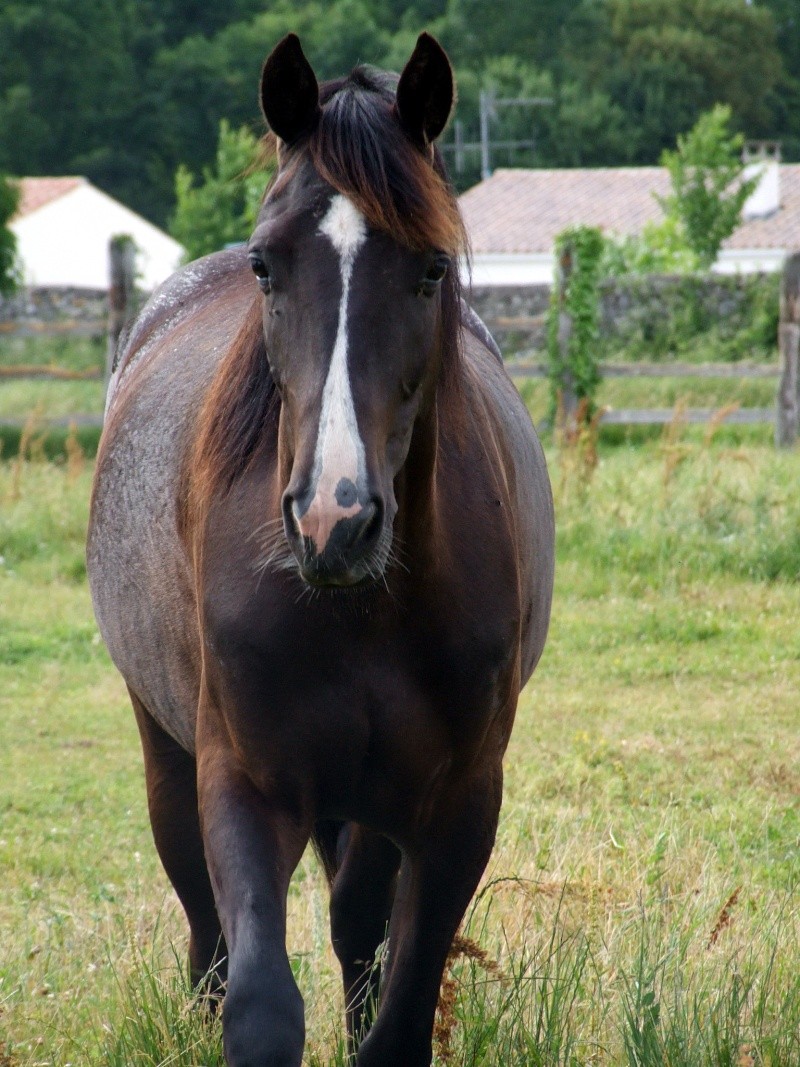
(438, 269)
(261, 271)
(434, 275)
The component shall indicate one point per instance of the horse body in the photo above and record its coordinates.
(324, 633)
(370, 669)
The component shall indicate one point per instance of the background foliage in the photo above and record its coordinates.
(707, 193)
(223, 206)
(124, 91)
(9, 197)
(574, 365)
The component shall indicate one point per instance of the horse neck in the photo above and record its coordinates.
(416, 485)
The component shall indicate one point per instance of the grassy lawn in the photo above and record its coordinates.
(641, 905)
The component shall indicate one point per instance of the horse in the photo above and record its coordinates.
(321, 556)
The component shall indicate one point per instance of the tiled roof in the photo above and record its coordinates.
(522, 211)
(36, 192)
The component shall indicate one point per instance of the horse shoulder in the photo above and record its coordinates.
(513, 454)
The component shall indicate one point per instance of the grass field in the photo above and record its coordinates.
(641, 906)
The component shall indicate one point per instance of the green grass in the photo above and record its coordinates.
(31, 402)
(641, 905)
(617, 393)
(72, 353)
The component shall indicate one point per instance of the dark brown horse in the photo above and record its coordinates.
(321, 555)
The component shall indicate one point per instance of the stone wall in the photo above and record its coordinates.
(639, 309)
(495, 303)
(643, 313)
(55, 305)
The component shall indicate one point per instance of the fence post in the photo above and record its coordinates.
(121, 288)
(786, 423)
(569, 401)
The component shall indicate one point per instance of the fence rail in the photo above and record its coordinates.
(523, 368)
(49, 373)
(61, 422)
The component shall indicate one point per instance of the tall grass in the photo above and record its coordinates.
(639, 987)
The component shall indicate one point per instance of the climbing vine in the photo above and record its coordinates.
(572, 326)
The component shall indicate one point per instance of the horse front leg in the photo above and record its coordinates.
(361, 867)
(438, 877)
(253, 844)
(361, 904)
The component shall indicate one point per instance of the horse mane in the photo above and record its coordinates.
(359, 148)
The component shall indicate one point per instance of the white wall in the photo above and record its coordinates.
(519, 269)
(65, 243)
(537, 268)
(749, 260)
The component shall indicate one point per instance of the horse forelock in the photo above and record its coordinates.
(359, 148)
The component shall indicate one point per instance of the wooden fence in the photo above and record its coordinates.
(523, 368)
(785, 414)
(121, 308)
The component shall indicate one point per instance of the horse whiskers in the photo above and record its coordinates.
(270, 527)
(276, 555)
(276, 552)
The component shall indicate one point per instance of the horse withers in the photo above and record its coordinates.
(321, 555)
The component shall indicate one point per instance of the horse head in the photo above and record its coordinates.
(355, 252)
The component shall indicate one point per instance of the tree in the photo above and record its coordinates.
(221, 209)
(708, 191)
(9, 199)
(664, 62)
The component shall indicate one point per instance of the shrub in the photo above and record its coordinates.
(9, 273)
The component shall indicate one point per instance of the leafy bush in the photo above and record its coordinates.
(708, 193)
(693, 317)
(221, 209)
(9, 276)
(661, 248)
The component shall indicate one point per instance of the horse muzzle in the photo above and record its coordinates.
(337, 544)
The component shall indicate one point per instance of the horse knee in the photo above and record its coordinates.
(263, 1033)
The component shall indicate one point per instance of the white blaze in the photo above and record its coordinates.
(339, 450)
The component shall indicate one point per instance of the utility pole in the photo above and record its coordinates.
(489, 104)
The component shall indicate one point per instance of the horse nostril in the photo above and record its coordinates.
(291, 521)
(371, 521)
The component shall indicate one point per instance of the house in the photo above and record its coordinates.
(514, 216)
(63, 228)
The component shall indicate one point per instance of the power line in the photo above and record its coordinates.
(489, 106)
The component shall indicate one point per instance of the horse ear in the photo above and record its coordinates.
(289, 91)
(425, 92)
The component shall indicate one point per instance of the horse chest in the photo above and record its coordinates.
(368, 704)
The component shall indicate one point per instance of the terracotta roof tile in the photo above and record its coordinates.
(36, 192)
(521, 211)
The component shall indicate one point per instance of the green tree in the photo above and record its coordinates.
(221, 208)
(664, 62)
(708, 191)
(9, 198)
